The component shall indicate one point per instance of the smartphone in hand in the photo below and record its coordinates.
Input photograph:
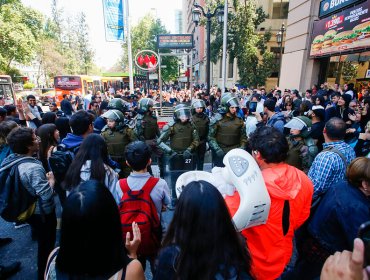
(252, 107)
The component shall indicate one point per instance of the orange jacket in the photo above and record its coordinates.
(270, 249)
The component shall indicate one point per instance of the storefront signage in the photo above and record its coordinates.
(330, 6)
(175, 41)
(342, 32)
(367, 74)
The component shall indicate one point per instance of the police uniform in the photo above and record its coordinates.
(226, 131)
(201, 123)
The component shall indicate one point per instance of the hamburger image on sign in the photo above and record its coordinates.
(317, 43)
(344, 38)
(328, 39)
(363, 34)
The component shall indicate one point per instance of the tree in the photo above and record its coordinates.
(255, 62)
(349, 71)
(20, 31)
(85, 54)
(144, 37)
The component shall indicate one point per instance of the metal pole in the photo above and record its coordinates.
(224, 44)
(280, 59)
(131, 74)
(160, 82)
(208, 54)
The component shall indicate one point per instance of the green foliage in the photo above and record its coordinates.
(144, 37)
(255, 62)
(20, 31)
(349, 71)
(29, 86)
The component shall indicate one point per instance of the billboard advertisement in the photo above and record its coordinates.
(342, 32)
(175, 41)
(113, 20)
(330, 6)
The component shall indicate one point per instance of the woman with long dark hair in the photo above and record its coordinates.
(91, 244)
(49, 136)
(91, 163)
(201, 241)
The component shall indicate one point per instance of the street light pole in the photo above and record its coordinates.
(279, 39)
(196, 17)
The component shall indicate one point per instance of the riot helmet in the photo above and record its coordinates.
(117, 116)
(118, 104)
(301, 123)
(145, 104)
(228, 100)
(182, 112)
(198, 103)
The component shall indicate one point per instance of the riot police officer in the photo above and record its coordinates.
(118, 135)
(227, 130)
(184, 140)
(201, 122)
(147, 129)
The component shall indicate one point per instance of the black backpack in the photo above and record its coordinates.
(60, 160)
(17, 204)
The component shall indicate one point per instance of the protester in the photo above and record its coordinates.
(24, 143)
(48, 117)
(91, 163)
(290, 191)
(329, 166)
(276, 120)
(5, 128)
(66, 106)
(49, 138)
(202, 249)
(337, 219)
(91, 244)
(33, 112)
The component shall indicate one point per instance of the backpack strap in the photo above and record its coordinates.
(336, 151)
(124, 186)
(150, 184)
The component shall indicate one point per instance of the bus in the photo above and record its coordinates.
(6, 90)
(72, 84)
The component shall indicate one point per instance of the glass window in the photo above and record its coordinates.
(280, 9)
(230, 70)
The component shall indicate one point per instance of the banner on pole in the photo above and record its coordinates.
(113, 20)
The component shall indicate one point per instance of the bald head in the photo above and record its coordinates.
(335, 129)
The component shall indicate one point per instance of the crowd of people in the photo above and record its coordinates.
(95, 154)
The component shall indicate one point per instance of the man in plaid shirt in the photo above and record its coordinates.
(329, 166)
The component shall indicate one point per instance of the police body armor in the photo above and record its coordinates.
(228, 133)
(201, 123)
(117, 142)
(181, 136)
(150, 127)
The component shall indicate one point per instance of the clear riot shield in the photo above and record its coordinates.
(175, 166)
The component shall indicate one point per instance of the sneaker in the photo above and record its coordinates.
(5, 241)
(18, 225)
(9, 270)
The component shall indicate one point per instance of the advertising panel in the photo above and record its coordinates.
(113, 20)
(175, 41)
(330, 6)
(342, 32)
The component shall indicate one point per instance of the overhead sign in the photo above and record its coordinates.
(113, 20)
(342, 32)
(175, 41)
(330, 6)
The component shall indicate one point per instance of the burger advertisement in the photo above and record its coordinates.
(342, 32)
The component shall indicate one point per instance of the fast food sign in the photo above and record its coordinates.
(342, 32)
(330, 6)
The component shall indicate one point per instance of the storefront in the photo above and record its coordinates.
(340, 42)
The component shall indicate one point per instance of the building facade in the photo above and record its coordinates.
(327, 42)
(277, 11)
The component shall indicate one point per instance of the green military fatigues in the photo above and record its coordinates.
(201, 123)
(117, 142)
(226, 132)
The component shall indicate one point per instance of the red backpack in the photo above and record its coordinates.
(137, 206)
